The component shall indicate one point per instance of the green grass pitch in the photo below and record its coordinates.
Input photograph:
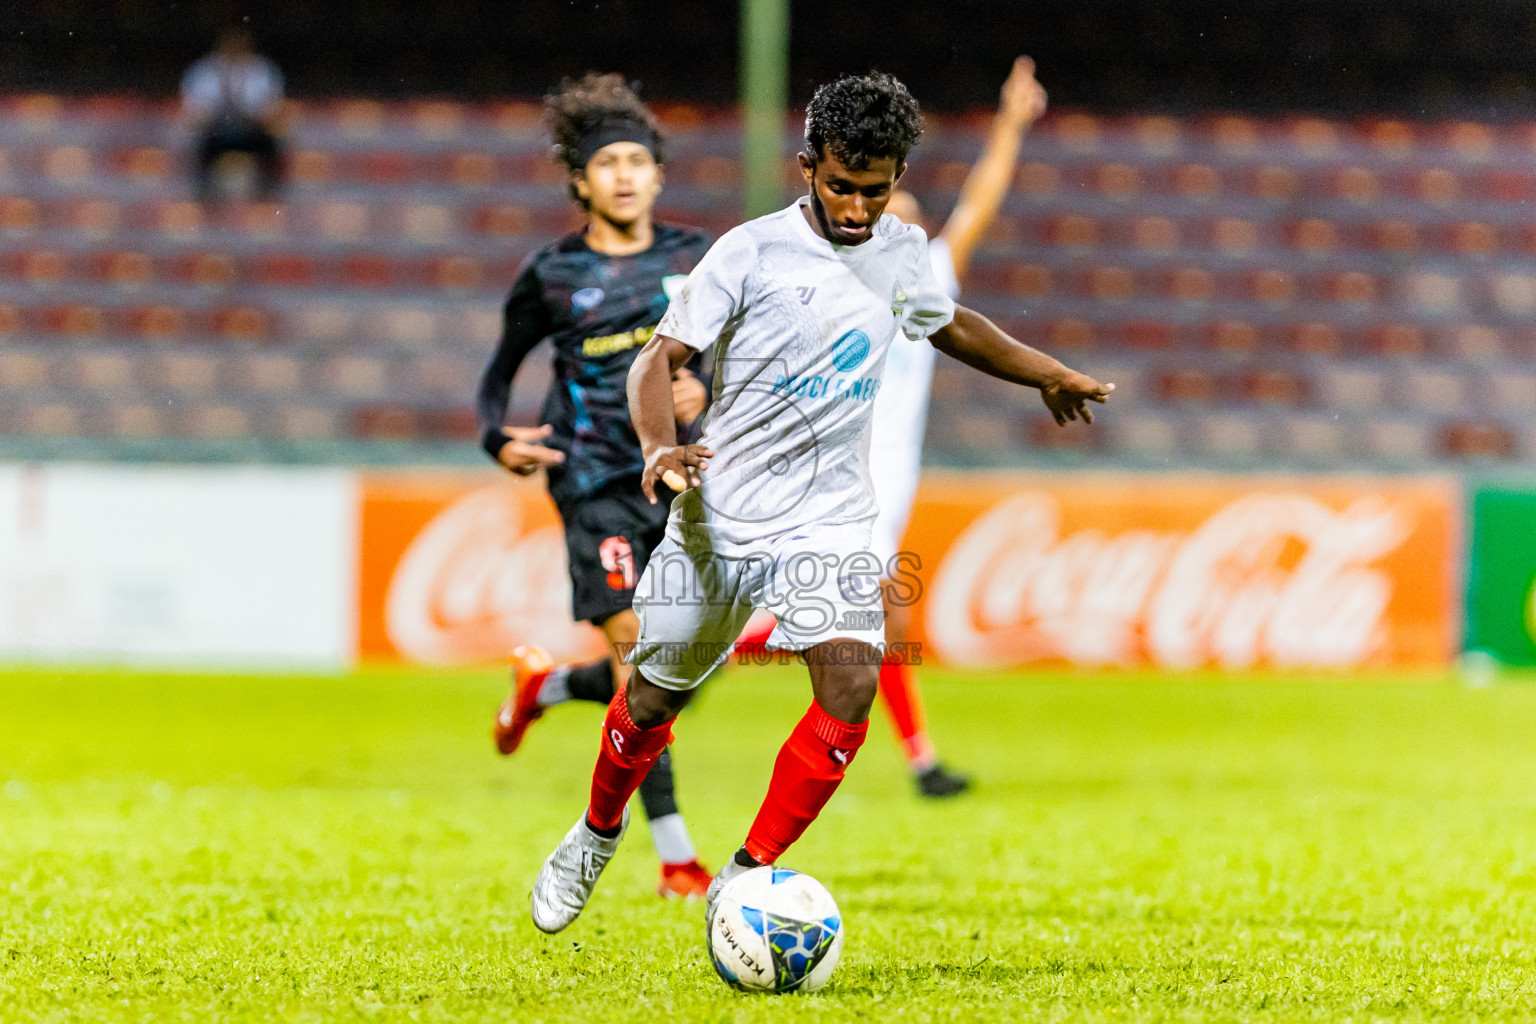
(238, 848)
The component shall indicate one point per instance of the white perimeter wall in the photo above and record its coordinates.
(192, 566)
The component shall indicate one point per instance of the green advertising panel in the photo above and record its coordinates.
(1501, 604)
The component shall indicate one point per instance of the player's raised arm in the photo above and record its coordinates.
(1023, 101)
(978, 342)
(654, 414)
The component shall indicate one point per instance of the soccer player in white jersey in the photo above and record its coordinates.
(776, 502)
(901, 407)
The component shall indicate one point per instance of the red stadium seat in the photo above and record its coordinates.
(1470, 439)
(1120, 182)
(1074, 231)
(1315, 236)
(76, 320)
(1235, 135)
(1199, 182)
(1396, 340)
(1273, 287)
(126, 270)
(438, 120)
(147, 164)
(286, 270)
(456, 424)
(1044, 432)
(1353, 288)
(1148, 335)
(1156, 234)
(458, 273)
(472, 169)
(311, 167)
(1276, 184)
(1474, 239)
(1234, 236)
(504, 220)
(1069, 333)
(1392, 139)
(1314, 136)
(242, 323)
(1194, 285)
(368, 271)
(386, 423)
(1189, 386)
(44, 268)
(67, 165)
(1357, 185)
(177, 219)
(1233, 336)
(19, 215)
(1438, 186)
(159, 323)
(1317, 339)
(1275, 387)
(1078, 132)
(387, 168)
(10, 320)
(1399, 236)
(1111, 284)
(1037, 180)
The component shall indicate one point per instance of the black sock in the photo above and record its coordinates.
(606, 833)
(658, 790)
(592, 680)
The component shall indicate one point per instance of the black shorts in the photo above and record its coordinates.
(609, 536)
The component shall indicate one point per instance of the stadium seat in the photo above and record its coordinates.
(1433, 293)
(1474, 240)
(368, 271)
(182, 372)
(178, 219)
(1197, 182)
(22, 371)
(44, 268)
(19, 216)
(158, 323)
(1353, 288)
(385, 423)
(1309, 438)
(1073, 231)
(1148, 335)
(1155, 234)
(1437, 186)
(343, 221)
(1192, 285)
(1037, 180)
(322, 323)
(286, 270)
(1189, 386)
(67, 165)
(356, 377)
(1395, 441)
(136, 421)
(1430, 389)
(101, 371)
(1356, 386)
(1273, 287)
(1320, 339)
(305, 423)
(1235, 135)
(472, 170)
(1477, 439)
(217, 422)
(457, 423)
(242, 323)
(1510, 391)
(78, 321)
(311, 167)
(458, 273)
(1356, 185)
(1474, 343)
(53, 419)
(1276, 184)
(1111, 284)
(407, 328)
(126, 270)
(428, 224)
(1396, 236)
(1274, 387)
(267, 373)
(1515, 293)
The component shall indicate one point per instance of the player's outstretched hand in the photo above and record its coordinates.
(678, 467)
(1068, 398)
(1023, 98)
(523, 454)
(688, 396)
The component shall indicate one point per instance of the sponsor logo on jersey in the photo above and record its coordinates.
(816, 386)
(806, 293)
(586, 298)
(849, 350)
(672, 284)
(608, 344)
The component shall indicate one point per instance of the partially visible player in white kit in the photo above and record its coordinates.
(777, 506)
(901, 408)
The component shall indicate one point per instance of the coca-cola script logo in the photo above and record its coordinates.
(475, 583)
(1270, 578)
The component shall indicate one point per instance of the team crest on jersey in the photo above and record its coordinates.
(849, 350)
(586, 298)
(672, 284)
(898, 299)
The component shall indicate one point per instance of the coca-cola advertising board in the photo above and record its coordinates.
(1015, 569)
(1185, 573)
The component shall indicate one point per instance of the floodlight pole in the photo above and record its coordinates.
(764, 95)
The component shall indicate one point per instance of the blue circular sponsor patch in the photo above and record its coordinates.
(586, 299)
(849, 350)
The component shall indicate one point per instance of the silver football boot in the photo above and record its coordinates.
(719, 882)
(566, 881)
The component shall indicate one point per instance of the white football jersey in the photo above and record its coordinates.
(801, 328)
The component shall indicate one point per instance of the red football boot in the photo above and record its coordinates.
(684, 881)
(521, 708)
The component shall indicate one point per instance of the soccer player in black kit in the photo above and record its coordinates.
(598, 294)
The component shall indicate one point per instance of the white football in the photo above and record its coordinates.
(775, 930)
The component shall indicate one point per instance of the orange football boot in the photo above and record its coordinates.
(521, 709)
(684, 881)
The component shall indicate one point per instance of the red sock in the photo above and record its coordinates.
(809, 767)
(898, 687)
(627, 753)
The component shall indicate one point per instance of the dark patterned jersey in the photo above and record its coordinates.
(598, 310)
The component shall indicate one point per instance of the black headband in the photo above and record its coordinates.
(611, 132)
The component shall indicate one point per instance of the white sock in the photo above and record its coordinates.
(673, 844)
(554, 690)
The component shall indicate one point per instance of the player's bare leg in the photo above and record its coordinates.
(812, 762)
(904, 706)
(635, 732)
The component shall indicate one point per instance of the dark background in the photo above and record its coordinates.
(1474, 57)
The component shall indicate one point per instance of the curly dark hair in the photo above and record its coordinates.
(862, 118)
(594, 101)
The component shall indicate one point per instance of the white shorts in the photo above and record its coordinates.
(693, 602)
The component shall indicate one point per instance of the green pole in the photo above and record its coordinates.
(764, 95)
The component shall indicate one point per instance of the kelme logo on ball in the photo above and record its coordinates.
(849, 350)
